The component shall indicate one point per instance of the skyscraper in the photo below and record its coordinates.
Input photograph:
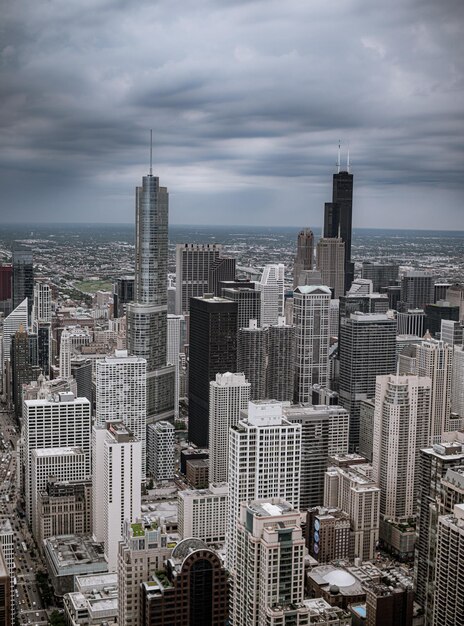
(193, 264)
(304, 254)
(311, 316)
(271, 286)
(161, 450)
(382, 274)
(147, 315)
(11, 324)
(338, 216)
(331, 264)
(23, 276)
(213, 350)
(249, 304)
(416, 289)
(367, 345)
(457, 382)
(252, 358)
(280, 361)
(229, 395)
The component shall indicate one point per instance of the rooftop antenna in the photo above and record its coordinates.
(151, 152)
(348, 160)
(338, 158)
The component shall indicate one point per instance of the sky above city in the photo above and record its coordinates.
(247, 101)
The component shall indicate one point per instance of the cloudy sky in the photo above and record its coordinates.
(247, 101)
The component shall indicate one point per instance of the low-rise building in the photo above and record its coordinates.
(203, 513)
(94, 601)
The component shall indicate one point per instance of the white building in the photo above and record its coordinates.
(60, 421)
(173, 352)
(160, 450)
(42, 306)
(271, 286)
(401, 429)
(63, 464)
(311, 305)
(269, 584)
(202, 513)
(65, 355)
(7, 548)
(264, 462)
(94, 601)
(228, 396)
(435, 360)
(121, 384)
(457, 382)
(116, 480)
(11, 325)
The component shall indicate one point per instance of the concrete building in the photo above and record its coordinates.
(175, 323)
(248, 304)
(271, 287)
(328, 534)
(121, 394)
(161, 450)
(331, 264)
(229, 395)
(94, 601)
(280, 361)
(457, 382)
(202, 513)
(269, 533)
(264, 462)
(311, 316)
(193, 263)
(411, 322)
(144, 548)
(449, 582)
(6, 599)
(367, 349)
(381, 274)
(452, 333)
(7, 552)
(304, 258)
(417, 289)
(11, 324)
(252, 358)
(61, 421)
(117, 476)
(455, 296)
(42, 302)
(436, 313)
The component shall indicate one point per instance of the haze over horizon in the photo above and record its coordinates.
(247, 101)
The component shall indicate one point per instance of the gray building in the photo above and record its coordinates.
(367, 346)
(193, 264)
(252, 358)
(81, 371)
(222, 269)
(280, 361)
(304, 254)
(382, 274)
(417, 290)
(411, 322)
(249, 304)
(23, 276)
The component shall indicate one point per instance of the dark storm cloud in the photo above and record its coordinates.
(247, 101)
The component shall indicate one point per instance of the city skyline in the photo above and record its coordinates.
(247, 108)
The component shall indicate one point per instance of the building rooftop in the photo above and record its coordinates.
(70, 554)
(42, 452)
(270, 508)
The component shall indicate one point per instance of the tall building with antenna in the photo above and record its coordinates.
(147, 315)
(338, 214)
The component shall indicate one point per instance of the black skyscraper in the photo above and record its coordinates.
(338, 218)
(23, 276)
(213, 350)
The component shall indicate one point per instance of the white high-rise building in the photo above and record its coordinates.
(42, 306)
(331, 264)
(116, 479)
(7, 548)
(435, 360)
(264, 462)
(63, 464)
(271, 286)
(65, 355)
(60, 421)
(160, 450)
(269, 584)
(311, 306)
(172, 353)
(121, 396)
(228, 396)
(401, 429)
(11, 325)
(457, 382)
(202, 513)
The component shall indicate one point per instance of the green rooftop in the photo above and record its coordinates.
(138, 530)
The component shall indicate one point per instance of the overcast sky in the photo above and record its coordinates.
(247, 101)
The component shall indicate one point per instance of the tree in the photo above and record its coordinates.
(57, 619)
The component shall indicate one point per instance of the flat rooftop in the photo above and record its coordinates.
(68, 552)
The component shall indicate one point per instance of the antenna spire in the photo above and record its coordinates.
(151, 151)
(338, 158)
(348, 160)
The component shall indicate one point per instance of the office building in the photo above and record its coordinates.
(116, 480)
(401, 430)
(6, 279)
(61, 421)
(94, 601)
(264, 462)
(367, 348)
(42, 302)
(324, 432)
(455, 296)
(23, 277)
(411, 322)
(390, 600)
(271, 287)
(311, 316)
(331, 264)
(202, 513)
(23, 368)
(351, 489)
(213, 350)
(304, 255)
(328, 534)
(6, 599)
(121, 394)
(457, 382)
(193, 264)
(252, 358)
(363, 303)
(161, 450)
(448, 607)
(193, 591)
(436, 313)
(7, 551)
(147, 315)
(175, 325)
(269, 533)
(452, 332)
(221, 270)
(417, 289)
(338, 216)
(382, 275)
(144, 548)
(280, 379)
(434, 359)
(366, 428)
(123, 293)
(11, 324)
(249, 304)
(229, 395)
(81, 371)
(434, 465)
